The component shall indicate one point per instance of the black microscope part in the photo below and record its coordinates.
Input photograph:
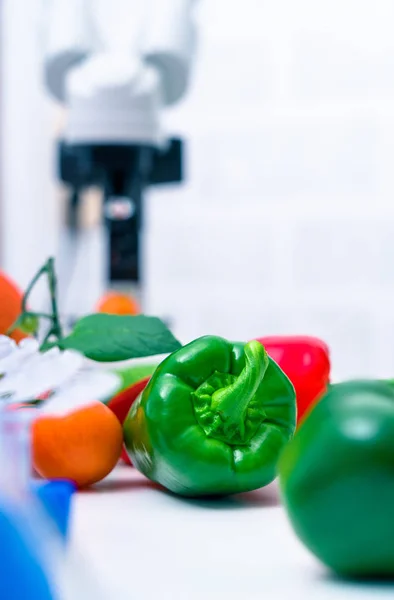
(123, 172)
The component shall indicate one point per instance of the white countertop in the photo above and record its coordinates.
(141, 543)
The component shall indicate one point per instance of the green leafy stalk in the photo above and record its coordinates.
(100, 337)
(55, 328)
(28, 321)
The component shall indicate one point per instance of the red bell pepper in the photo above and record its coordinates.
(306, 362)
(121, 404)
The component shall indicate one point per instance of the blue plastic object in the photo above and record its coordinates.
(29, 549)
(22, 572)
(56, 497)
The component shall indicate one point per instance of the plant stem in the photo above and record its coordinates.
(31, 285)
(52, 279)
(40, 315)
(55, 328)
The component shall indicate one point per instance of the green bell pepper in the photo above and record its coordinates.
(337, 479)
(213, 419)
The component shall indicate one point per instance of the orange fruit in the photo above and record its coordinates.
(115, 303)
(10, 307)
(82, 445)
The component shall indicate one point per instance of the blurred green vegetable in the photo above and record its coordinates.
(337, 479)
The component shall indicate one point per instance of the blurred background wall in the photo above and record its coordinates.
(286, 221)
(29, 212)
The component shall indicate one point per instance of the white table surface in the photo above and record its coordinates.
(141, 543)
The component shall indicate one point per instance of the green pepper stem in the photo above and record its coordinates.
(232, 402)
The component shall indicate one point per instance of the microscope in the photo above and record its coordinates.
(115, 65)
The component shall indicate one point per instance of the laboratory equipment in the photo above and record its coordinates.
(56, 498)
(38, 561)
(115, 66)
(30, 547)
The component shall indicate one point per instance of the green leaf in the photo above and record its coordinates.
(110, 338)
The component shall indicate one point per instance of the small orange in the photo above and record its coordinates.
(10, 307)
(115, 303)
(82, 445)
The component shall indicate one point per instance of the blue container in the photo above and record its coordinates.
(56, 497)
(22, 572)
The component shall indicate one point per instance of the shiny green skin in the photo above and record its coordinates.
(337, 479)
(166, 442)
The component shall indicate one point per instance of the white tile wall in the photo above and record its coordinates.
(286, 223)
(352, 254)
(292, 155)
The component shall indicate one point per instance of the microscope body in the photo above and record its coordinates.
(116, 65)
